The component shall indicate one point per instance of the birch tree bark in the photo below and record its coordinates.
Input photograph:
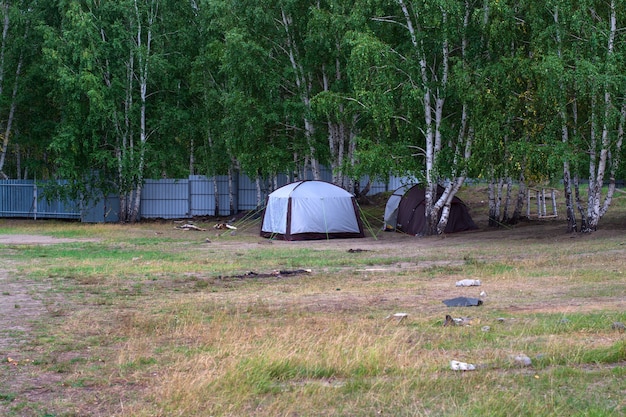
(304, 85)
(130, 153)
(434, 73)
(605, 124)
(10, 118)
(596, 208)
(4, 6)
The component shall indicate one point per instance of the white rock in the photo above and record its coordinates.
(468, 283)
(461, 366)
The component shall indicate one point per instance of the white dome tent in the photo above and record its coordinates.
(306, 210)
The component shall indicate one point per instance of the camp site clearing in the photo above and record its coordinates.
(152, 320)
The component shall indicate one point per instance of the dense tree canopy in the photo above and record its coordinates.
(107, 93)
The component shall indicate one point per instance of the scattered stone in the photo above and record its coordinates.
(468, 283)
(278, 274)
(457, 321)
(485, 329)
(463, 302)
(619, 326)
(521, 360)
(461, 366)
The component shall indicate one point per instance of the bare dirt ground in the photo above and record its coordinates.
(18, 304)
(20, 308)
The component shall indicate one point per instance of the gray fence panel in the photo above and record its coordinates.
(165, 199)
(57, 209)
(224, 198)
(105, 210)
(23, 198)
(202, 196)
(248, 194)
(17, 198)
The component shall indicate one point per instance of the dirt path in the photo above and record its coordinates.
(19, 303)
(37, 240)
(20, 307)
(17, 310)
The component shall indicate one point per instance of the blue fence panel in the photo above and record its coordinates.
(57, 209)
(17, 198)
(103, 210)
(248, 199)
(165, 199)
(23, 198)
(202, 196)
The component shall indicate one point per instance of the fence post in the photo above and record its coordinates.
(189, 196)
(35, 201)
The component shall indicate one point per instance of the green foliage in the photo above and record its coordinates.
(264, 87)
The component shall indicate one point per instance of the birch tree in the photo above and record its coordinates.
(592, 109)
(302, 78)
(437, 33)
(333, 104)
(145, 16)
(13, 44)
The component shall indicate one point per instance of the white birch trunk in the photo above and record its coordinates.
(9, 123)
(304, 89)
(144, 66)
(259, 194)
(437, 210)
(598, 163)
(9, 126)
(429, 121)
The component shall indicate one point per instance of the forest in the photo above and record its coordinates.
(105, 94)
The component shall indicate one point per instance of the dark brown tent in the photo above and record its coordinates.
(411, 213)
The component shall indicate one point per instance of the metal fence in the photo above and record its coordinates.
(164, 198)
(23, 198)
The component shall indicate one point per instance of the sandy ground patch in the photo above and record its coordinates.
(37, 240)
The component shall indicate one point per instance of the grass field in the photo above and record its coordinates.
(149, 320)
